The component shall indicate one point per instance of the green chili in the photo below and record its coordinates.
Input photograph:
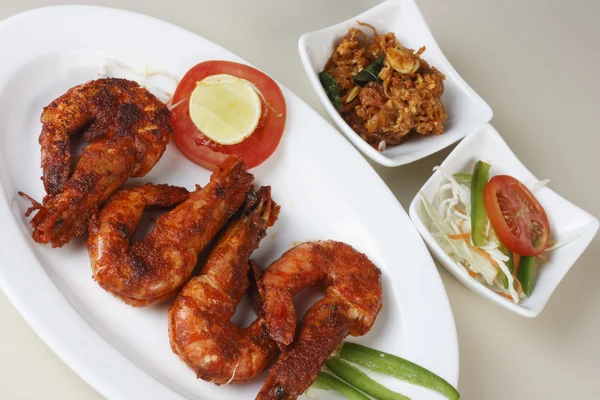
(527, 273)
(510, 264)
(360, 380)
(479, 218)
(400, 368)
(327, 381)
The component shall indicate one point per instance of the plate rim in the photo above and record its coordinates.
(50, 335)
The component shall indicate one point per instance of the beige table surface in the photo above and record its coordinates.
(536, 64)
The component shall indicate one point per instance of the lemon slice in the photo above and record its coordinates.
(225, 108)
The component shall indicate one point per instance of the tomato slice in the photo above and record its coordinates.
(518, 218)
(257, 147)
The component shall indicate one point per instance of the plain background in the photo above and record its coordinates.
(536, 63)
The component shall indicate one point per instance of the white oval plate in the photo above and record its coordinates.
(325, 188)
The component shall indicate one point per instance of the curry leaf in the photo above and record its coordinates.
(331, 87)
(370, 73)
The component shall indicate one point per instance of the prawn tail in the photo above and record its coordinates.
(35, 205)
(233, 167)
(260, 205)
(269, 210)
(256, 290)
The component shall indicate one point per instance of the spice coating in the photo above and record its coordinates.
(200, 327)
(127, 129)
(153, 269)
(352, 301)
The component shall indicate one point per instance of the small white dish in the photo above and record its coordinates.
(466, 109)
(567, 221)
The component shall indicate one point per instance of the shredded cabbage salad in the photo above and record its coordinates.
(449, 220)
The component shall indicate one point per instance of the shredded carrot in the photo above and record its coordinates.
(517, 262)
(505, 295)
(460, 225)
(459, 236)
(518, 285)
(459, 210)
(483, 254)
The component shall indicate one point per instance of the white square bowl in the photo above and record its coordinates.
(466, 109)
(567, 221)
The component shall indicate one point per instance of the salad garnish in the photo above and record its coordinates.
(207, 131)
(495, 228)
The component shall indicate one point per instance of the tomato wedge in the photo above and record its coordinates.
(517, 217)
(253, 150)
